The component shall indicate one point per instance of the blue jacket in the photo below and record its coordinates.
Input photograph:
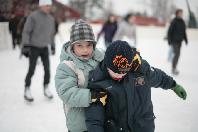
(129, 107)
(177, 31)
(109, 30)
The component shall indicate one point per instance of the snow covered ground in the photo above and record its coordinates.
(43, 115)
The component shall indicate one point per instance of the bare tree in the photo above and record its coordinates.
(87, 7)
(80, 6)
(162, 9)
(5, 5)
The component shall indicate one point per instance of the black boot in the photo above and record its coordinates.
(47, 92)
(28, 95)
(175, 72)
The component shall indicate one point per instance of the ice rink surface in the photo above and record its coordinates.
(43, 115)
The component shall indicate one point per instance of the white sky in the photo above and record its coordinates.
(123, 6)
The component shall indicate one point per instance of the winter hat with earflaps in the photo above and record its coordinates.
(121, 58)
(45, 2)
(81, 31)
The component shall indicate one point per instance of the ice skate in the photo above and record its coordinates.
(175, 72)
(47, 92)
(27, 95)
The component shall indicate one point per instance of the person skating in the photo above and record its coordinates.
(38, 34)
(176, 34)
(122, 85)
(109, 29)
(127, 30)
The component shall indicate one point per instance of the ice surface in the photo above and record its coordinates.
(43, 115)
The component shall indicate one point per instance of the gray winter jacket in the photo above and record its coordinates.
(125, 32)
(39, 30)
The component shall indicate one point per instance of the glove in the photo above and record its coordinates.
(53, 51)
(98, 97)
(180, 91)
(26, 50)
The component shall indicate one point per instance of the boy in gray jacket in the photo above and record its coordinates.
(78, 57)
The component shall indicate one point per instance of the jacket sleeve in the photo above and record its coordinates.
(101, 31)
(28, 28)
(170, 32)
(53, 34)
(119, 33)
(158, 78)
(68, 90)
(185, 35)
(94, 118)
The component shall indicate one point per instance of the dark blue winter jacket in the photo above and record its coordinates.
(177, 31)
(129, 107)
(109, 30)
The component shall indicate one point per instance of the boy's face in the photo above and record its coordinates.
(115, 76)
(180, 14)
(83, 49)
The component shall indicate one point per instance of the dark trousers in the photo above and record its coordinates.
(176, 50)
(34, 54)
(14, 40)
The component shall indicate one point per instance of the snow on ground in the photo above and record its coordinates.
(43, 115)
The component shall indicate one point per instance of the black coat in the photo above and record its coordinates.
(129, 107)
(109, 30)
(177, 31)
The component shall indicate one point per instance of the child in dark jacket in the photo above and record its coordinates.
(122, 85)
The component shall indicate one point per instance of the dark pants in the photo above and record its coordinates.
(176, 50)
(14, 40)
(34, 54)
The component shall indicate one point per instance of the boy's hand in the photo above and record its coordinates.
(26, 50)
(98, 97)
(180, 91)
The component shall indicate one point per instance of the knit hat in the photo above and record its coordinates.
(45, 2)
(81, 31)
(121, 58)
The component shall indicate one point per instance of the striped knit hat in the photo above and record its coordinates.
(81, 31)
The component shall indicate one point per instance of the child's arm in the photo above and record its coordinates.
(94, 115)
(159, 78)
(68, 90)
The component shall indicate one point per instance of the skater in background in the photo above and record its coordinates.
(127, 30)
(13, 28)
(38, 35)
(127, 80)
(108, 29)
(176, 34)
(21, 24)
(78, 57)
